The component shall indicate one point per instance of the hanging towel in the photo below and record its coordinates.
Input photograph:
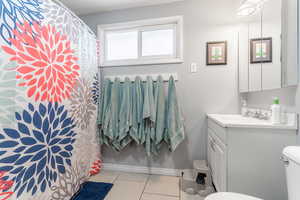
(174, 122)
(113, 131)
(149, 107)
(137, 110)
(149, 115)
(125, 115)
(160, 109)
(103, 114)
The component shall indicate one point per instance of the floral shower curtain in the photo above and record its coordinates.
(48, 99)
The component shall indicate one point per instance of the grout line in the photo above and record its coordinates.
(180, 186)
(115, 179)
(145, 187)
(160, 194)
(165, 195)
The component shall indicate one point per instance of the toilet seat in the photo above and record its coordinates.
(229, 196)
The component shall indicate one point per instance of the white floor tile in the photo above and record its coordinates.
(133, 177)
(165, 185)
(185, 196)
(105, 176)
(147, 196)
(126, 190)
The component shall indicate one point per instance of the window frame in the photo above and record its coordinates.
(175, 22)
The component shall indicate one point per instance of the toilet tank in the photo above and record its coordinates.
(291, 160)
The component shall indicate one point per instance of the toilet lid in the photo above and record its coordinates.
(229, 196)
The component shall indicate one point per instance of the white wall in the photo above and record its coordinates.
(212, 90)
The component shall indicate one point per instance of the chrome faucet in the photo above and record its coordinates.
(259, 114)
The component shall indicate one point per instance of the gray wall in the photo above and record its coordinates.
(212, 90)
(287, 96)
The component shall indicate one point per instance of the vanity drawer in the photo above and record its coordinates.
(218, 130)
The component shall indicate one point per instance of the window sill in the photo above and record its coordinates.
(142, 62)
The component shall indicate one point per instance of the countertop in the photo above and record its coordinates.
(238, 121)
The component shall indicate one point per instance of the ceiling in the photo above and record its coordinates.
(84, 7)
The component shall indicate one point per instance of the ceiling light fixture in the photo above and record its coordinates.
(250, 7)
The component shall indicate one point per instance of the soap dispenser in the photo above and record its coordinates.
(244, 109)
(276, 111)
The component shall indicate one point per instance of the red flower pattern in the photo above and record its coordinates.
(4, 186)
(46, 64)
(96, 167)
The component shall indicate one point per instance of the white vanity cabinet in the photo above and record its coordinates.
(217, 159)
(246, 159)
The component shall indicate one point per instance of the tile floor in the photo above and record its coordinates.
(129, 186)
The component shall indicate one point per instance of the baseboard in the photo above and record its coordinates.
(141, 169)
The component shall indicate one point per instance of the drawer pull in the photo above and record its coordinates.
(285, 161)
(212, 145)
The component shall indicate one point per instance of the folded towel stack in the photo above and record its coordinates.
(140, 112)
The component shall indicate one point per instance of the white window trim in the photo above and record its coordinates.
(149, 24)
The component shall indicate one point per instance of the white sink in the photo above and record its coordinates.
(240, 121)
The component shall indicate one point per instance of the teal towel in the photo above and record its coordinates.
(125, 115)
(137, 110)
(104, 101)
(103, 113)
(113, 131)
(160, 109)
(149, 105)
(149, 115)
(174, 122)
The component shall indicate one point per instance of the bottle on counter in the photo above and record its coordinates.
(244, 109)
(276, 111)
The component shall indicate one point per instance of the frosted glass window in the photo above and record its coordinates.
(158, 43)
(143, 42)
(122, 46)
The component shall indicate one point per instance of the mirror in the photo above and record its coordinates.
(267, 47)
(290, 53)
(249, 74)
(271, 28)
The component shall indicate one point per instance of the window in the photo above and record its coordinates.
(122, 45)
(155, 41)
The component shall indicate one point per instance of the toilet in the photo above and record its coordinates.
(291, 160)
(230, 196)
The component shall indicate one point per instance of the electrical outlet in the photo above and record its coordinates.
(194, 67)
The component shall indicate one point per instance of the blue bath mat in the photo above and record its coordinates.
(93, 191)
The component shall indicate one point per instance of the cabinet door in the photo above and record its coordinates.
(271, 28)
(255, 79)
(244, 57)
(220, 157)
(290, 41)
(217, 160)
(210, 155)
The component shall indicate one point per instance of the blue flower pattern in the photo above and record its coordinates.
(42, 146)
(13, 12)
(96, 89)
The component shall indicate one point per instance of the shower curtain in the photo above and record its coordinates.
(49, 93)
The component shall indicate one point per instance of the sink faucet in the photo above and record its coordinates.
(258, 114)
(261, 115)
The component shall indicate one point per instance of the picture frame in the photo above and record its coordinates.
(261, 50)
(216, 53)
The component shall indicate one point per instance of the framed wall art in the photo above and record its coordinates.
(261, 50)
(216, 53)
